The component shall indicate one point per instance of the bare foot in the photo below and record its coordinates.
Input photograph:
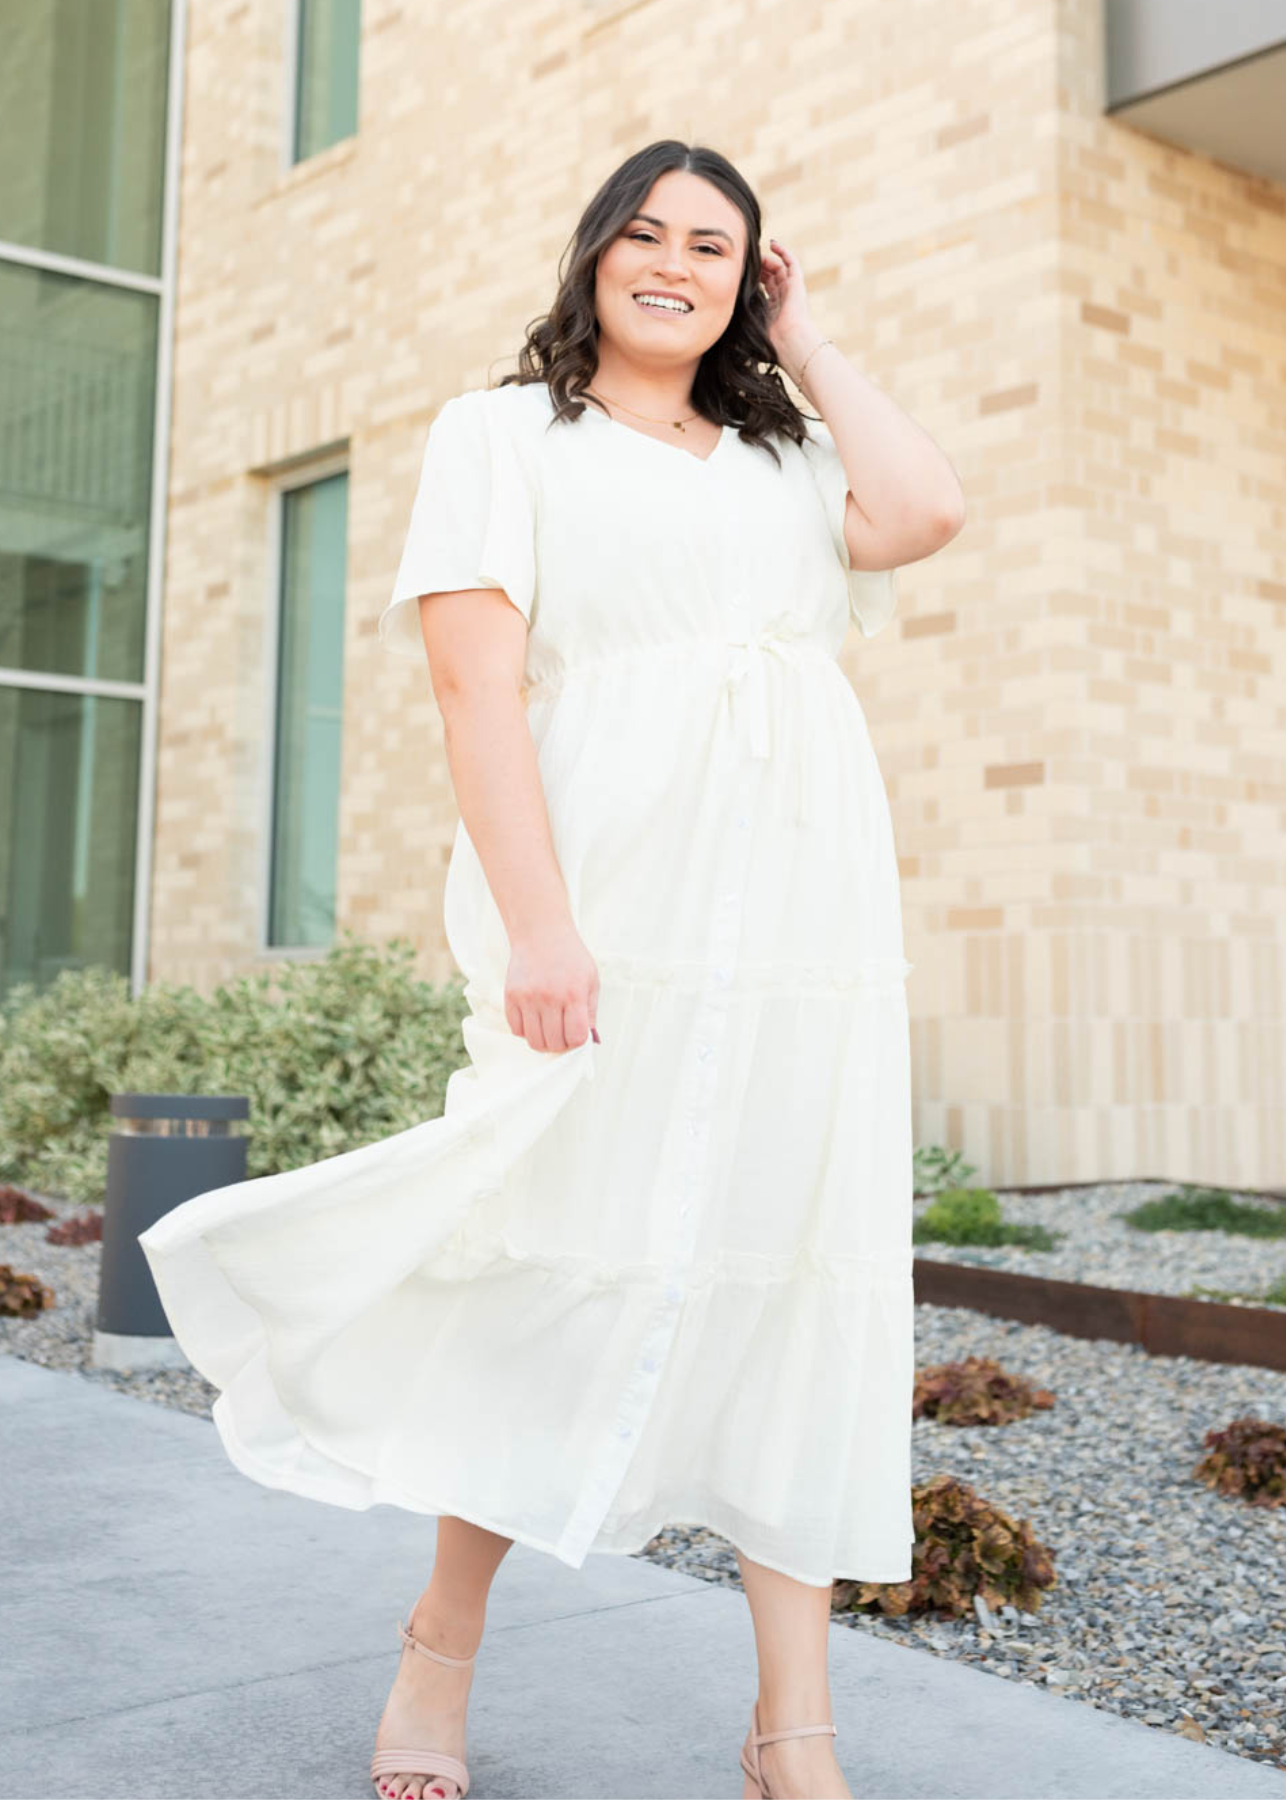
(801, 1768)
(428, 1703)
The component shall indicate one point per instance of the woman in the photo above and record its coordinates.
(662, 1271)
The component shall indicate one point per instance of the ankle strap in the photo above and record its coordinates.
(769, 1737)
(456, 1662)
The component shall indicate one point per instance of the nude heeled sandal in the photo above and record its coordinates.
(754, 1774)
(411, 1761)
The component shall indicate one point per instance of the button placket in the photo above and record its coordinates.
(684, 1167)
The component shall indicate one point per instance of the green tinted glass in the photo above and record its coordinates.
(310, 690)
(77, 393)
(69, 792)
(82, 128)
(326, 76)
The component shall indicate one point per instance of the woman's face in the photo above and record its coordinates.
(689, 241)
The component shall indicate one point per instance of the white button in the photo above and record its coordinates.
(742, 821)
(694, 1131)
(673, 1292)
(722, 975)
(649, 1363)
(704, 1052)
(623, 1431)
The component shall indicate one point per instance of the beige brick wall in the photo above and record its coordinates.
(1075, 710)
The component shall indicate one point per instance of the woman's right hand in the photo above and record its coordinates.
(551, 990)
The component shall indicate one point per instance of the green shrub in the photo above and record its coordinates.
(976, 1391)
(972, 1216)
(964, 1545)
(1206, 1209)
(1247, 1458)
(933, 1168)
(333, 1052)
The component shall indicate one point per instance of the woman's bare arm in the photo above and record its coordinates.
(475, 640)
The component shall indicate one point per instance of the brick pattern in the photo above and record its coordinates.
(1075, 709)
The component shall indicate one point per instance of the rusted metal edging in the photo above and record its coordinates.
(1162, 1324)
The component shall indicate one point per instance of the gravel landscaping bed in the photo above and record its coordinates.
(1099, 1247)
(1169, 1597)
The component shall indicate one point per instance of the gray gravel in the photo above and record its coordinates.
(1099, 1247)
(1170, 1598)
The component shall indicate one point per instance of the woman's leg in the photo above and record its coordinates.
(430, 1699)
(792, 1637)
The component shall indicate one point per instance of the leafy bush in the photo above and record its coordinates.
(976, 1391)
(1206, 1209)
(972, 1216)
(934, 1168)
(333, 1052)
(964, 1545)
(22, 1296)
(1247, 1457)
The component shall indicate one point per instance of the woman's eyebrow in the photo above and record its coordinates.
(696, 231)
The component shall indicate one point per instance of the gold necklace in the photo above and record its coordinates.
(678, 424)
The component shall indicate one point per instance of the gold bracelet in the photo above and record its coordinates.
(799, 379)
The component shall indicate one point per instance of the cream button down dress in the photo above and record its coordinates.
(664, 1278)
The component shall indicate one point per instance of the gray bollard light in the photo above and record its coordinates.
(167, 1148)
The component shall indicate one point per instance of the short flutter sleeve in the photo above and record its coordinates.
(872, 593)
(473, 522)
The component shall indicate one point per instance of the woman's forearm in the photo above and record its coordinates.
(897, 473)
(494, 770)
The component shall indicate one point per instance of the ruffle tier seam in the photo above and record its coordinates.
(744, 1267)
(692, 975)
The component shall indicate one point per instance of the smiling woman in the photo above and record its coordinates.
(659, 1272)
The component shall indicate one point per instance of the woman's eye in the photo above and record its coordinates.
(647, 235)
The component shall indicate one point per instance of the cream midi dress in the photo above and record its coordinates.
(666, 1277)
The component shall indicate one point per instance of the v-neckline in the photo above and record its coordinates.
(671, 449)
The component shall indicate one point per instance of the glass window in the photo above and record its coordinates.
(310, 690)
(69, 787)
(326, 74)
(82, 128)
(77, 396)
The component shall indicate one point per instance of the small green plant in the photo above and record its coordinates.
(964, 1545)
(972, 1216)
(1247, 1458)
(976, 1391)
(22, 1296)
(1192, 1208)
(333, 1052)
(1271, 1296)
(934, 1168)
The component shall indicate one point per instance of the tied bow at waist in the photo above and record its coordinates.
(746, 685)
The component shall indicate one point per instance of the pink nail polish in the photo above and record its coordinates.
(593, 1032)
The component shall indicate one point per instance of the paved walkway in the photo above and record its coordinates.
(173, 1629)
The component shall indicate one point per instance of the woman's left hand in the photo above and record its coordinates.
(789, 316)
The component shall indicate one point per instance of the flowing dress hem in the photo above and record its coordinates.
(708, 1516)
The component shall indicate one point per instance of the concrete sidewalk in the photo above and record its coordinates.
(172, 1629)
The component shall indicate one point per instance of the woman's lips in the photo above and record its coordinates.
(667, 312)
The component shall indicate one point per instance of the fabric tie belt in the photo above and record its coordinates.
(746, 685)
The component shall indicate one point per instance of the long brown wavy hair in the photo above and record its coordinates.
(738, 382)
